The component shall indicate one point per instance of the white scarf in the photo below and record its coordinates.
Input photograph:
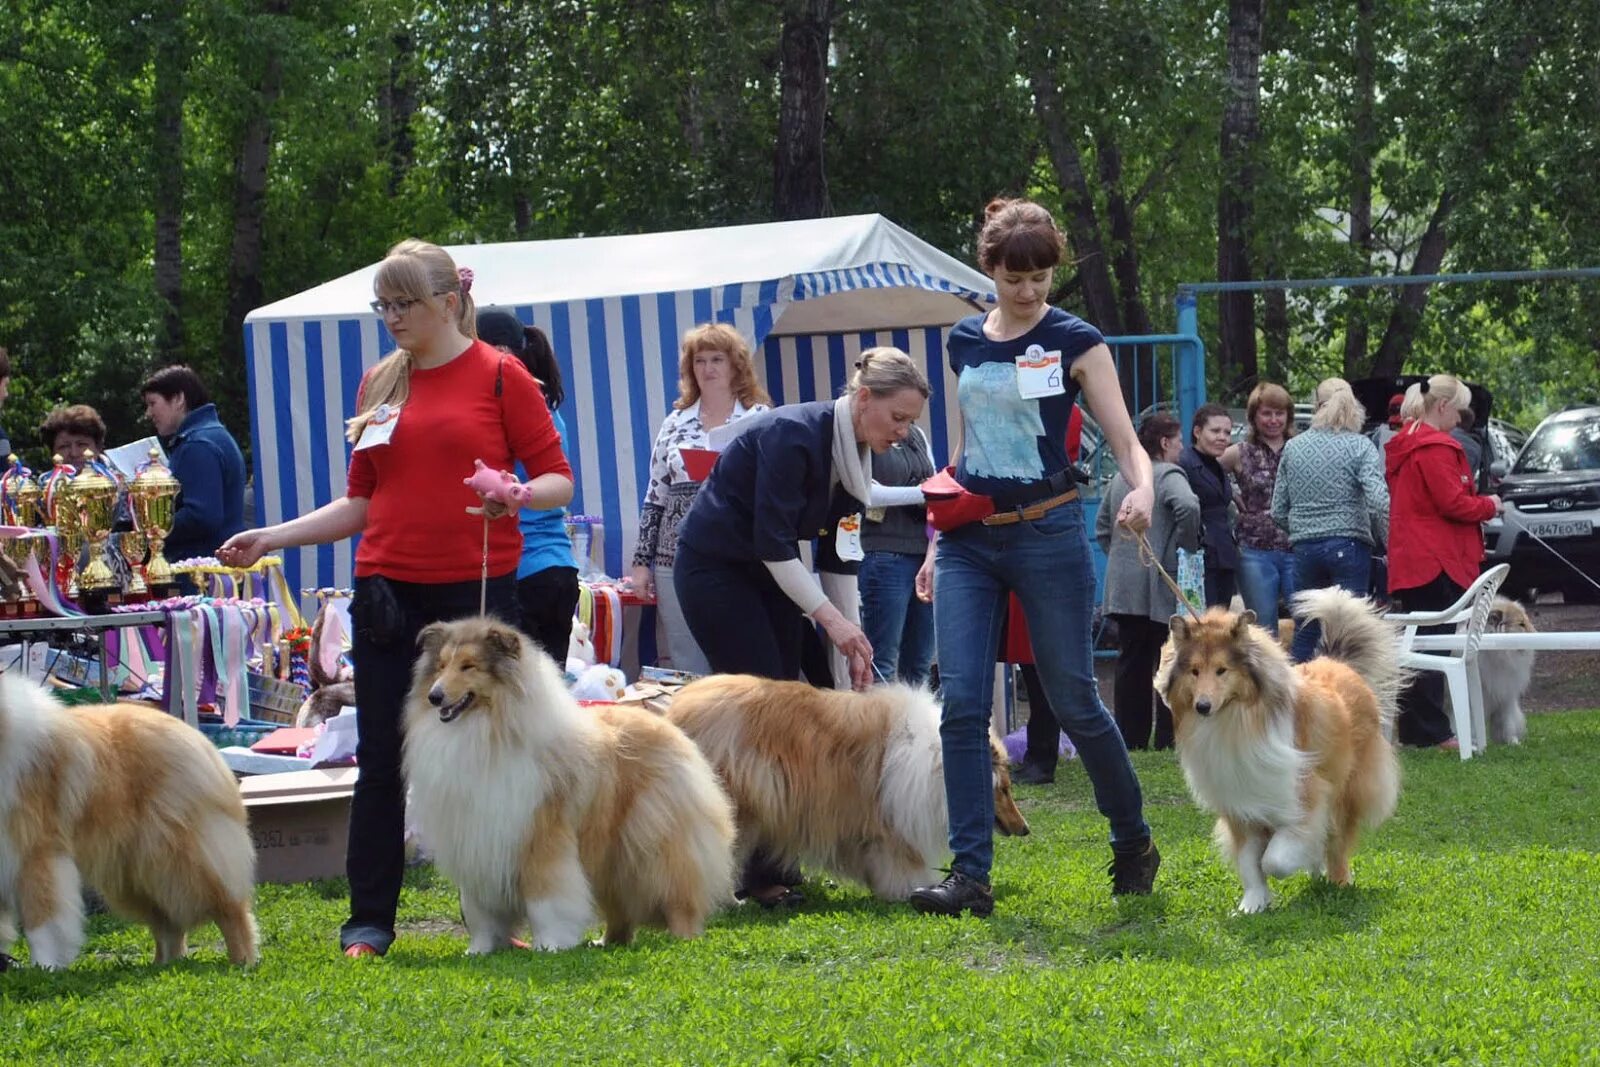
(852, 463)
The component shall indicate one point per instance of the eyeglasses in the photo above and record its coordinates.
(399, 307)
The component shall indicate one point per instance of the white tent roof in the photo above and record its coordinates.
(547, 272)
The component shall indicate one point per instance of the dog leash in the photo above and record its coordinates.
(1562, 558)
(1147, 556)
(483, 570)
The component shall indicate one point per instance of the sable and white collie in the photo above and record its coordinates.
(1506, 675)
(850, 782)
(544, 812)
(129, 800)
(1294, 759)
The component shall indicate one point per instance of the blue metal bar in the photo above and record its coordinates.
(1369, 281)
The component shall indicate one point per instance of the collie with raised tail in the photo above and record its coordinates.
(552, 815)
(130, 801)
(1293, 759)
(849, 782)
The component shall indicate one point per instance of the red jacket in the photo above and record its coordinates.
(1434, 516)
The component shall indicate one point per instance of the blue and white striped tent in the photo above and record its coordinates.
(809, 295)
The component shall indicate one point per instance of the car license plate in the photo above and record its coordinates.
(1561, 528)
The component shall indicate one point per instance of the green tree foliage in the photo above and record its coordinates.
(315, 133)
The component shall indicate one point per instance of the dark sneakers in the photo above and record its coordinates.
(956, 894)
(1133, 869)
(1033, 774)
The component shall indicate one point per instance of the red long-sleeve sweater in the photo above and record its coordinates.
(1435, 519)
(417, 526)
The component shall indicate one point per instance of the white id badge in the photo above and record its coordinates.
(1039, 374)
(847, 539)
(380, 427)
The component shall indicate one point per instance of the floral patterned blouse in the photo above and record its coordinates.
(667, 499)
(1258, 473)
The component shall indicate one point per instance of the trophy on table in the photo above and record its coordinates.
(153, 493)
(19, 507)
(93, 495)
(62, 514)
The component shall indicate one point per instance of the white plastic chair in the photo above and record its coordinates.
(1457, 660)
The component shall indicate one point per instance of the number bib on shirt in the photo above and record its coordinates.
(1039, 373)
(380, 427)
(847, 539)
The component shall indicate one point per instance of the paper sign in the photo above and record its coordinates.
(1039, 373)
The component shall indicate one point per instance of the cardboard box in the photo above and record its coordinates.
(300, 822)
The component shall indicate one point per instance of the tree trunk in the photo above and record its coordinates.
(1402, 328)
(1141, 380)
(1275, 327)
(1088, 250)
(1362, 144)
(1241, 129)
(800, 181)
(250, 200)
(171, 60)
(397, 103)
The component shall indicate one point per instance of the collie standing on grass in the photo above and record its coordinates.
(440, 401)
(1019, 369)
(546, 813)
(1294, 759)
(130, 801)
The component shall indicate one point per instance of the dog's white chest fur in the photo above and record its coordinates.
(1249, 776)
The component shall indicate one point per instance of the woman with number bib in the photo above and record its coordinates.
(1019, 369)
(426, 411)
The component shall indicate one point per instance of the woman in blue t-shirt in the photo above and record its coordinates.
(1019, 368)
(547, 575)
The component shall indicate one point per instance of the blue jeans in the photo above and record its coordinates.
(1328, 561)
(899, 626)
(1266, 576)
(1048, 565)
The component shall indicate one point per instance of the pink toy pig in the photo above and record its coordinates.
(500, 486)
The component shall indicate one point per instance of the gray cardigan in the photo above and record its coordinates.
(1131, 587)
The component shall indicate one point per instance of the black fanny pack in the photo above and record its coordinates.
(1043, 489)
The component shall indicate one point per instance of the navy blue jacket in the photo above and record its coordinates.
(770, 489)
(210, 470)
(1210, 483)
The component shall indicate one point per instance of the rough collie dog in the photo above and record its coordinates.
(850, 782)
(1293, 759)
(545, 812)
(129, 800)
(1505, 676)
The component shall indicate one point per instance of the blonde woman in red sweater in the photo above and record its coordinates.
(425, 412)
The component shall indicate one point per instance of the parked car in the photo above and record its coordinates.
(1552, 495)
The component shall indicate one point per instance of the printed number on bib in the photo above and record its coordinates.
(1039, 374)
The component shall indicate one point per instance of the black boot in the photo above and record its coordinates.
(956, 894)
(1031, 773)
(1133, 869)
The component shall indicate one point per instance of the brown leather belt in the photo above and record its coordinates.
(1030, 512)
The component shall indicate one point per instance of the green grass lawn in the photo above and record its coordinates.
(1473, 935)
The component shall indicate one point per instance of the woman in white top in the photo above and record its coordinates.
(716, 385)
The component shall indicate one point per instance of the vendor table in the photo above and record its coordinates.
(99, 625)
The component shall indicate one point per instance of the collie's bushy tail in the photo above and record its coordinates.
(1354, 632)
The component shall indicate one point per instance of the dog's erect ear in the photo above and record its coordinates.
(431, 637)
(1243, 622)
(504, 642)
(1180, 627)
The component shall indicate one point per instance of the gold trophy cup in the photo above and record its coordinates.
(93, 497)
(63, 514)
(152, 493)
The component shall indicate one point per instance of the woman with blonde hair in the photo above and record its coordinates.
(1266, 558)
(1331, 499)
(424, 413)
(1435, 533)
(716, 386)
